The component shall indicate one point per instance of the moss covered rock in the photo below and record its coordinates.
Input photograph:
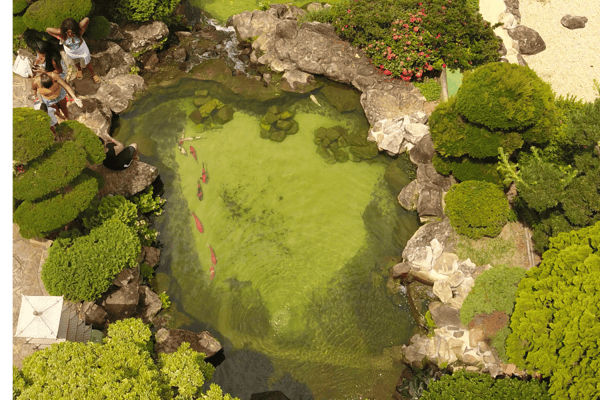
(343, 97)
(207, 108)
(200, 101)
(224, 115)
(196, 116)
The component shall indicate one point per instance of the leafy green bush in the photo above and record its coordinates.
(121, 367)
(463, 385)
(51, 13)
(55, 169)
(84, 137)
(19, 26)
(494, 290)
(98, 28)
(42, 217)
(467, 169)
(19, 6)
(430, 89)
(555, 326)
(408, 39)
(144, 10)
(503, 96)
(148, 203)
(476, 209)
(84, 268)
(31, 134)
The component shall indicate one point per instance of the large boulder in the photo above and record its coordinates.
(530, 42)
(150, 255)
(150, 303)
(94, 114)
(428, 243)
(429, 203)
(444, 314)
(423, 150)
(169, 340)
(109, 59)
(119, 91)
(127, 276)
(122, 303)
(93, 314)
(408, 196)
(140, 38)
(127, 182)
(573, 22)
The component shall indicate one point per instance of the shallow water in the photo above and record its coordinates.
(303, 247)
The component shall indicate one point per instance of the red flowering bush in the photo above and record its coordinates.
(410, 39)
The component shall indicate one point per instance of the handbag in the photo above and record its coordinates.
(22, 66)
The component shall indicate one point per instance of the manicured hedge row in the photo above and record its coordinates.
(84, 268)
(84, 137)
(50, 13)
(31, 134)
(40, 218)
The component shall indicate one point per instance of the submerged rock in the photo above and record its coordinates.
(168, 341)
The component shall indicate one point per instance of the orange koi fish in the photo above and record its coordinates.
(198, 223)
(213, 257)
(193, 151)
(212, 272)
(204, 176)
(200, 194)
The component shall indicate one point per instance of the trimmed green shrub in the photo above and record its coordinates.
(476, 209)
(144, 10)
(19, 6)
(84, 137)
(55, 169)
(430, 89)
(98, 28)
(555, 326)
(31, 134)
(494, 290)
(463, 385)
(84, 268)
(467, 169)
(19, 26)
(51, 13)
(42, 217)
(503, 96)
(186, 370)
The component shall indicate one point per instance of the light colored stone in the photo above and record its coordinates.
(475, 336)
(467, 266)
(471, 357)
(456, 279)
(442, 290)
(446, 264)
(408, 196)
(510, 369)
(414, 132)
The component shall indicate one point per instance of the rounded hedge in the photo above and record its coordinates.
(51, 13)
(19, 26)
(453, 136)
(50, 172)
(98, 28)
(468, 169)
(19, 6)
(84, 137)
(31, 134)
(40, 218)
(503, 96)
(84, 268)
(477, 209)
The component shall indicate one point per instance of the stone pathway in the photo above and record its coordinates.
(28, 258)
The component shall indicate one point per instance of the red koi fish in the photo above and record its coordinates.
(212, 272)
(180, 141)
(198, 223)
(204, 176)
(193, 151)
(200, 194)
(213, 257)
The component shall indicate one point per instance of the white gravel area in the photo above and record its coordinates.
(571, 60)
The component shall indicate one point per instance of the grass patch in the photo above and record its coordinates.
(430, 89)
(494, 251)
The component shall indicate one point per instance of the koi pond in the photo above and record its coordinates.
(303, 230)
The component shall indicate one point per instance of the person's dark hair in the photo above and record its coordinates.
(46, 81)
(69, 24)
(51, 53)
(44, 107)
(102, 140)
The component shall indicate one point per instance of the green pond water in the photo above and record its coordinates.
(299, 297)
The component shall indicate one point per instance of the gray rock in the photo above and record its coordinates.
(151, 256)
(400, 269)
(443, 291)
(426, 173)
(93, 315)
(512, 6)
(119, 91)
(150, 303)
(423, 151)
(408, 196)
(127, 182)
(501, 47)
(295, 78)
(109, 60)
(314, 7)
(126, 276)
(249, 25)
(140, 38)
(444, 314)
(179, 54)
(573, 22)
(521, 60)
(388, 134)
(169, 340)
(414, 132)
(530, 42)
(445, 263)
(416, 247)
(123, 302)
(94, 114)
(429, 202)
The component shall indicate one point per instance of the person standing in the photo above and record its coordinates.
(70, 36)
(50, 89)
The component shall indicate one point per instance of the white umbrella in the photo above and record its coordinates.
(39, 317)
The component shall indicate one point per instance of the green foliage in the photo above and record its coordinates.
(429, 321)
(146, 271)
(121, 367)
(503, 96)
(98, 28)
(463, 385)
(19, 6)
(164, 299)
(36, 219)
(476, 209)
(555, 326)
(264, 5)
(454, 136)
(31, 134)
(408, 40)
(144, 10)
(185, 370)
(467, 169)
(84, 137)
(493, 251)
(494, 290)
(50, 13)
(55, 169)
(499, 343)
(148, 203)
(84, 268)
(19, 26)
(430, 89)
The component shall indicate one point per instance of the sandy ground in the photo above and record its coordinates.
(571, 60)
